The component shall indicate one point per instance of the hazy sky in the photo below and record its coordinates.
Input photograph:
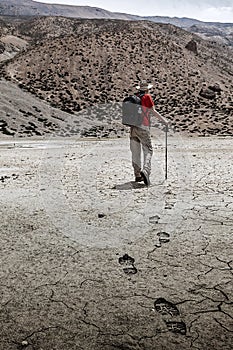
(204, 10)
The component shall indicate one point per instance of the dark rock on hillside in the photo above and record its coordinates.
(207, 93)
(192, 46)
(2, 48)
(215, 88)
(211, 91)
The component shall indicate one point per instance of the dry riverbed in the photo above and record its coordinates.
(92, 261)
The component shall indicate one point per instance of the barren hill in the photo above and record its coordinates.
(213, 31)
(74, 64)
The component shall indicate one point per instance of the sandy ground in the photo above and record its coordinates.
(90, 260)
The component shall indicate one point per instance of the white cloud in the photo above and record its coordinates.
(223, 14)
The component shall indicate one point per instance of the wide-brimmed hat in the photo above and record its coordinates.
(143, 85)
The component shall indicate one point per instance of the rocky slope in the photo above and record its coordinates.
(86, 67)
(22, 115)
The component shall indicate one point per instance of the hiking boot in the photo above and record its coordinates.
(139, 179)
(145, 178)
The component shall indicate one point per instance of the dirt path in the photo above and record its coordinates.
(92, 261)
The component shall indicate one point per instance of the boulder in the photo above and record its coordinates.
(215, 88)
(192, 46)
(207, 93)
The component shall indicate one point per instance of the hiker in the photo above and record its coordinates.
(140, 138)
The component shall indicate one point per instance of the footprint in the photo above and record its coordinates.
(154, 219)
(164, 237)
(169, 205)
(176, 327)
(128, 263)
(165, 307)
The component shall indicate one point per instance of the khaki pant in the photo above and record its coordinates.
(140, 140)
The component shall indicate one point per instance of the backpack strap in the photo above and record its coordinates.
(140, 95)
(144, 113)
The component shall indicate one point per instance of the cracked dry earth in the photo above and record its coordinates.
(92, 261)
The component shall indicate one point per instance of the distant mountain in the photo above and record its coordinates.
(213, 31)
(176, 21)
(219, 32)
(33, 8)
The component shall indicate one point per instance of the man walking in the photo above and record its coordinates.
(140, 139)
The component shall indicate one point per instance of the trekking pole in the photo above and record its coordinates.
(166, 130)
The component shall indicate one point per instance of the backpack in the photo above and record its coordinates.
(132, 114)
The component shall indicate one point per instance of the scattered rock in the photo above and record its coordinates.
(25, 343)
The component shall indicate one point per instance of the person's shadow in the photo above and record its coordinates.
(129, 186)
